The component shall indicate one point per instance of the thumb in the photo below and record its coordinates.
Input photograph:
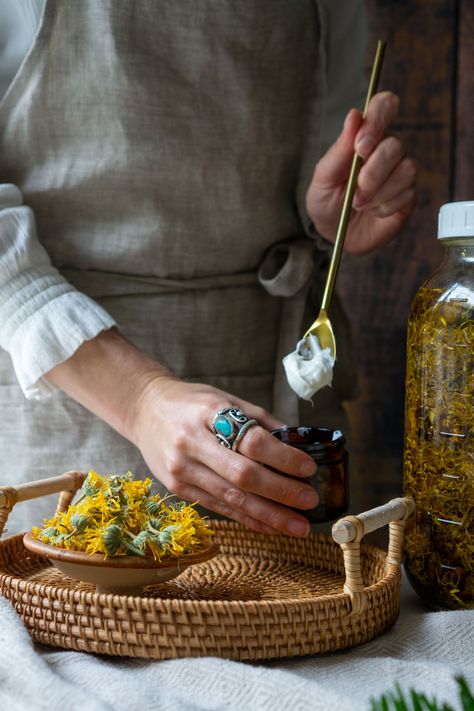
(333, 168)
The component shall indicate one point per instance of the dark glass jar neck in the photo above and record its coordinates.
(323, 444)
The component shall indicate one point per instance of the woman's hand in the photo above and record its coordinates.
(170, 422)
(385, 194)
(173, 432)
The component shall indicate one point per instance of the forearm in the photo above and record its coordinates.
(108, 376)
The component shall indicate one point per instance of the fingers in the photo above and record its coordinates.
(259, 445)
(403, 202)
(332, 169)
(198, 483)
(362, 136)
(188, 492)
(382, 110)
(181, 450)
(386, 174)
(250, 476)
(265, 419)
(386, 181)
(385, 194)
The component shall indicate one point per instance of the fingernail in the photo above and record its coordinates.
(297, 527)
(307, 468)
(349, 117)
(307, 499)
(391, 104)
(365, 146)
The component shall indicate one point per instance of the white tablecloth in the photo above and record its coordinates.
(424, 650)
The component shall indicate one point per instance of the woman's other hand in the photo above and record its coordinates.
(385, 194)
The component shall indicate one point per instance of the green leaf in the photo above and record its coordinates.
(396, 701)
(467, 698)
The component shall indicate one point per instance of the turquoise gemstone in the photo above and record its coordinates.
(223, 426)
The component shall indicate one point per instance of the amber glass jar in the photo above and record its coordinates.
(331, 480)
(439, 421)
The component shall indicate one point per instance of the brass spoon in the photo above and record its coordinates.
(322, 327)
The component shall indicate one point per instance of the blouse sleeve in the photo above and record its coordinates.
(43, 318)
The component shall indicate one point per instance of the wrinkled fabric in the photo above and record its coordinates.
(424, 650)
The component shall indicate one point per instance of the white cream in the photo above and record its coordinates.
(309, 368)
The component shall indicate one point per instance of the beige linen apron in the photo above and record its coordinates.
(165, 148)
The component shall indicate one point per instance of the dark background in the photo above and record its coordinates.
(429, 63)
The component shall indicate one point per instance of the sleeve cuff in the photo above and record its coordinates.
(43, 318)
(52, 322)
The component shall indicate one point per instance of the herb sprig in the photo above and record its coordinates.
(397, 701)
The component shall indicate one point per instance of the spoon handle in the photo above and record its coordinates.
(351, 186)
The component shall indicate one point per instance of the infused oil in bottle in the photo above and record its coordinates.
(439, 422)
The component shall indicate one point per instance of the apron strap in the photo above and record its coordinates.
(287, 272)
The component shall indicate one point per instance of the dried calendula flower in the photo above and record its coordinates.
(117, 516)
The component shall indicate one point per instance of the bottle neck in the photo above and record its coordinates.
(460, 251)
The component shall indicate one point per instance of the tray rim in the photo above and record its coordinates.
(38, 587)
(242, 630)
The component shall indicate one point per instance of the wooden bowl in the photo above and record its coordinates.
(120, 575)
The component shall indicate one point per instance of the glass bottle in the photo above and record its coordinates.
(439, 421)
(331, 479)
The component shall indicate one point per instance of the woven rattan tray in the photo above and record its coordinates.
(261, 597)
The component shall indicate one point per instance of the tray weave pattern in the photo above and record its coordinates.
(261, 597)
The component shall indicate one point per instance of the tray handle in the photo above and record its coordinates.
(349, 531)
(67, 484)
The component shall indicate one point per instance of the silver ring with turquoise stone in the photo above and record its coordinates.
(229, 425)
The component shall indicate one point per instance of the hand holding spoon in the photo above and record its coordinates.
(322, 327)
(310, 366)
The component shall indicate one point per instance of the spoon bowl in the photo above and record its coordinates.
(322, 329)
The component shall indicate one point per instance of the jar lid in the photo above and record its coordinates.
(456, 219)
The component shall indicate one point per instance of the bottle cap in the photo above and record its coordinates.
(456, 219)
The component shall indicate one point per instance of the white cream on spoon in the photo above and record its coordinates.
(309, 367)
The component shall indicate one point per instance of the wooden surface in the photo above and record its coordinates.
(424, 42)
(463, 173)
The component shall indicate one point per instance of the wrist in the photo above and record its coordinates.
(152, 386)
(110, 377)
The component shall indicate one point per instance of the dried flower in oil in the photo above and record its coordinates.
(439, 459)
